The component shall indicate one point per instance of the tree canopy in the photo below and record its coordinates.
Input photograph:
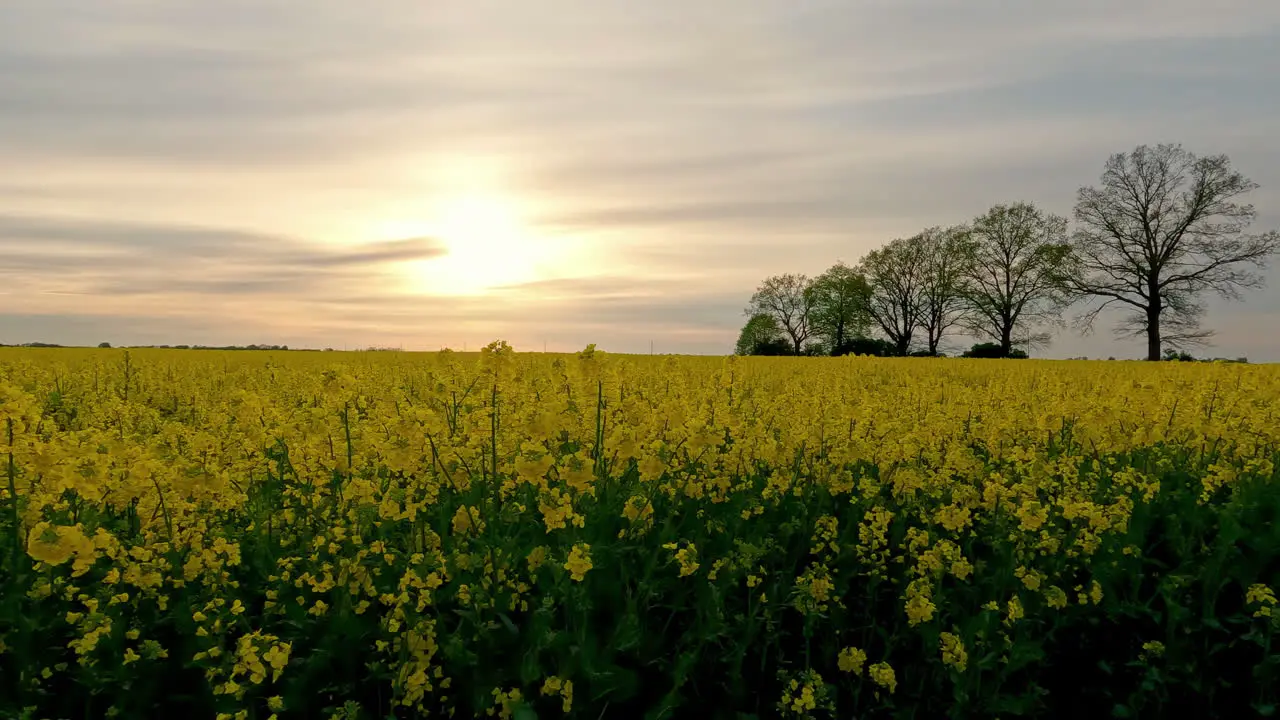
(787, 299)
(897, 276)
(944, 269)
(1162, 229)
(839, 314)
(1012, 291)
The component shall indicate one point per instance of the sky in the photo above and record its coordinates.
(430, 173)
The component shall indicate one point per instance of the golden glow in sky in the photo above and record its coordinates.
(488, 245)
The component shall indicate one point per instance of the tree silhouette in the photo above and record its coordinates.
(839, 314)
(1012, 286)
(896, 274)
(1163, 229)
(788, 300)
(944, 269)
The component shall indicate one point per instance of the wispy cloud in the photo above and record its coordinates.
(105, 257)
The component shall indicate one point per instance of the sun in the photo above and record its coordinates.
(488, 245)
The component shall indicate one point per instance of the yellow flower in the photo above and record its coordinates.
(1264, 597)
(1014, 611)
(953, 652)
(505, 702)
(579, 561)
(651, 468)
(54, 545)
(559, 686)
(919, 605)
(277, 657)
(537, 557)
(638, 509)
(467, 520)
(1030, 578)
(882, 674)
(686, 556)
(851, 660)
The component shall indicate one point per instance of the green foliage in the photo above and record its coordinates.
(1013, 286)
(788, 300)
(866, 346)
(762, 336)
(993, 350)
(898, 274)
(840, 296)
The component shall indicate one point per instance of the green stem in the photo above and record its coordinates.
(168, 522)
(13, 498)
(16, 614)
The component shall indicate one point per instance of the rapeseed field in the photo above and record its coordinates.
(395, 535)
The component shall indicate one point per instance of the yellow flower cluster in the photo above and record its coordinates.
(686, 556)
(579, 561)
(234, 509)
(558, 686)
(953, 652)
(1263, 598)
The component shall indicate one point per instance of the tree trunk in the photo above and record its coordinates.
(1154, 306)
(1153, 333)
(1006, 341)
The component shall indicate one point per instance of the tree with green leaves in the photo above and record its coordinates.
(1163, 229)
(762, 335)
(1012, 288)
(896, 275)
(944, 269)
(788, 300)
(839, 315)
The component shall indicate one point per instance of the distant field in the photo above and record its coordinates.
(275, 535)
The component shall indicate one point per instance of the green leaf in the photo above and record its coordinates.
(506, 621)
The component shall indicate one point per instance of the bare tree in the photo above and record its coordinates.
(896, 274)
(945, 258)
(1017, 256)
(787, 299)
(840, 306)
(1163, 229)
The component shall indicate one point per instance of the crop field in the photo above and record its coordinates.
(395, 535)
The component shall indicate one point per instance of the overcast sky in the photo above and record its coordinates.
(435, 173)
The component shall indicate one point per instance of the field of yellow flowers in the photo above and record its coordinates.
(377, 535)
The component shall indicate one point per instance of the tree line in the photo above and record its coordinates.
(1163, 229)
